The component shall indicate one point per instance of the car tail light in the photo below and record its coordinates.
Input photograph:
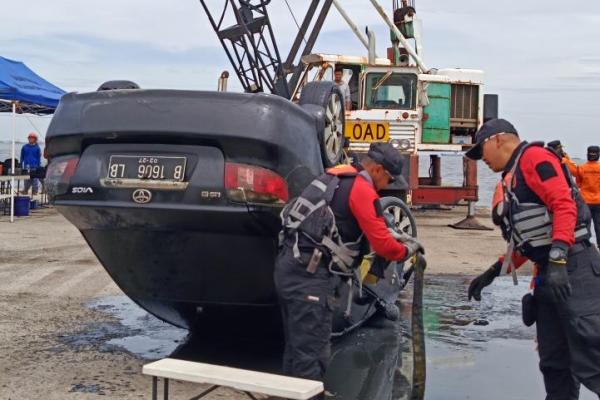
(248, 183)
(59, 174)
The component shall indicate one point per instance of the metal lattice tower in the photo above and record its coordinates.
(246, 34)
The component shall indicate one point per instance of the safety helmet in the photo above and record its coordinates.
(32, 135)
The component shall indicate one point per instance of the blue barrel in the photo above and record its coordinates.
(22, 206)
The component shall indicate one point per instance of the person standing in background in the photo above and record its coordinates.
(345, 89)
(31, 159)
(588, 180)
(556, 146)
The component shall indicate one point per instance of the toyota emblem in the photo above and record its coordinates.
(142, 196)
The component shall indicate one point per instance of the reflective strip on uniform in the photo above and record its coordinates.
(534, 212)
(582, 232)
(319, 185)
(544, 231)
(533, 224)
(540, 242)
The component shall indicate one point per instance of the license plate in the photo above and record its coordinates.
(156, 168)
(367, 131)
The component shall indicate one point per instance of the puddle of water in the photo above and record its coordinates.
(134, 331)
(142, 334)
(452, 319)
(474, 349)
(95, 389)
(480, 350)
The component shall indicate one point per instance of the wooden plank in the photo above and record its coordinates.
(240, 379)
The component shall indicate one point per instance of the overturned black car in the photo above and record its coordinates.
(178, 193)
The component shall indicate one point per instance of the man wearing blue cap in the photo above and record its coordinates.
(326, 232)
(544, 219)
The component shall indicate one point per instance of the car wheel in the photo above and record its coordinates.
(398, 215)
(331, 139)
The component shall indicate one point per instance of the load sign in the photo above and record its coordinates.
(367, 131)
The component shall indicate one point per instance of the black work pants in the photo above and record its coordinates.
(569, 333)
(595, 209)
(306, 307)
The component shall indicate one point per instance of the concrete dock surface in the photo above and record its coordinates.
(56, 331)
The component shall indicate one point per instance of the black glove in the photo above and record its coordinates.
(483, 280)
(557, 277)
(412, 247)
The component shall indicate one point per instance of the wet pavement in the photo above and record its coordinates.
(474, 350)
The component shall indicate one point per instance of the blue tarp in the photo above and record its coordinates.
(18, 82)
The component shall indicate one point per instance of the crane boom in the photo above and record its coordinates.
(246, 34)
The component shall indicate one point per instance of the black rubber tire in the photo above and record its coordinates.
(403, 219)
(326, 94)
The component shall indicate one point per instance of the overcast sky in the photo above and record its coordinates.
(541, 57)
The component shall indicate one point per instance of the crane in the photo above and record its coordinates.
(246, 34)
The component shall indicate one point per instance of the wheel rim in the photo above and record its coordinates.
(401, 221)
(333, 135)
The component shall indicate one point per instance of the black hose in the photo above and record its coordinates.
(418, 330)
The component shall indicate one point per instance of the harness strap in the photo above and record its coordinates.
(508, 262)
(340, 252)
(302, 209)
(331, 187)
(348, 311)
(295, 248)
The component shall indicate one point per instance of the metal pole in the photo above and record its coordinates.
(401, 37)
(222, 85)
(12, 168)
(154, 388)
(310, 43)
(351, 23)
(471, 209)
(289, 63)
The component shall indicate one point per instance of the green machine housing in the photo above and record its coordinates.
(452, 113)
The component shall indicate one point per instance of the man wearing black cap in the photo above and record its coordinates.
(556, 146)
(588, 180)
(326, 231)
(544, 219)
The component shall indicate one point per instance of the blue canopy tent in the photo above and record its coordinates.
(31, 93)
(23, 91)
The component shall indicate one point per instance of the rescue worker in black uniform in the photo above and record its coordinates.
(544, 219)
(307, 266)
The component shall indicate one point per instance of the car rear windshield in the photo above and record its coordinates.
(391, 91)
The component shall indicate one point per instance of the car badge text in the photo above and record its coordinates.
(82, 190)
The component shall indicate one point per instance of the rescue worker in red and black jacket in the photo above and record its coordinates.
(544, 219)
(309, 262)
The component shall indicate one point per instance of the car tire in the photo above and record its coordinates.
(401, 217)
(331, 137)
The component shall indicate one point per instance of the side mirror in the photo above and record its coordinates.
(490, 107)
